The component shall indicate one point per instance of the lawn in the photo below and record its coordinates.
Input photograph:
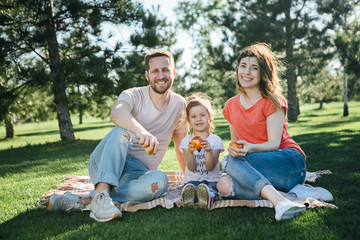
(36, 161)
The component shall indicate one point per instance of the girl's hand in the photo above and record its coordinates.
(191, 148)
(237, 152)
(205, 145)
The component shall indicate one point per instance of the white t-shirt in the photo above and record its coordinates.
(200, 173)
(161, 124)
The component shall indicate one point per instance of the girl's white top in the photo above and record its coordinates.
(200, 173)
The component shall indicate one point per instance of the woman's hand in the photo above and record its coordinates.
(240, 152)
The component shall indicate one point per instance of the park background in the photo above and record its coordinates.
(63, 64)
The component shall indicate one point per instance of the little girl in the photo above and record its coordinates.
(202, 162)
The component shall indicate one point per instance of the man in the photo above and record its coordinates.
(146, 117)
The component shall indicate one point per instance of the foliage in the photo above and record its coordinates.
(153, 32)
(60, 37)
(348, 45)
(299, 31)
(321, 87)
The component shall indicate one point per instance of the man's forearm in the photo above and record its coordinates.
(122, 117)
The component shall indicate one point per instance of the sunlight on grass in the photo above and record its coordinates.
(36, 161)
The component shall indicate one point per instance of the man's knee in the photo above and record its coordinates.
(159, 182)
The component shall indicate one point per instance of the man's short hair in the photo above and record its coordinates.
(158, 53)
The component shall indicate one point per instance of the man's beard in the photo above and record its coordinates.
(160, 91)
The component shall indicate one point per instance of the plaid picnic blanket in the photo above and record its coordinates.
(82, 186)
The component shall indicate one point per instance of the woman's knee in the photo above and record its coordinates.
(225, 185)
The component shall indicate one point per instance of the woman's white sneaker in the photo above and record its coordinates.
(304, 191)
(286, 209)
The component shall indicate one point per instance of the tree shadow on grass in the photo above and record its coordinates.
(76, 129)
(320, 114)
(51, 156)
(40, 224)
(332, 124)
(335, 151)
(178, 223)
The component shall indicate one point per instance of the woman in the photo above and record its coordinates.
(268, 159)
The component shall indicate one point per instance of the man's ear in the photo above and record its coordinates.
(147, 75)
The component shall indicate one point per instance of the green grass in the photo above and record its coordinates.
(36, 161)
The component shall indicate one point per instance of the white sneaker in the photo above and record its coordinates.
(287, 209)
(188, 195)
(66, 202)
(204, 197)
(102, 208)
(303, 191)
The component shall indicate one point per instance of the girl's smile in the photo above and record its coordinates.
(199, 119)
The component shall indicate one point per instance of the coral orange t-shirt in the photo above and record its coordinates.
(250, 124)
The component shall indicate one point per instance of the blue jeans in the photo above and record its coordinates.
(129, 179)
(282, 168)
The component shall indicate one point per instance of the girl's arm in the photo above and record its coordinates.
(274, 124)
(189, 157)
(212, 156)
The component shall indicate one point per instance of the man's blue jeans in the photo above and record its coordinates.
(130, 180)
(282, 168)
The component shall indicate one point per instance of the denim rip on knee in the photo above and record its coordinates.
(232, 192)
(156, 187)
(126, 137)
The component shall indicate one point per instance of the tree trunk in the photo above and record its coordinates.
(63, 114)
(290, 71)
(321, 105)
(80, 115)
(9, 127)
(80, 106)
(297, 106)
(345, 92)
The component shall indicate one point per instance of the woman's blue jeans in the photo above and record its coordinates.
(129, 179)
(283, 168)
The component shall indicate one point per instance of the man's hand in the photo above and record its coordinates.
(148, 140)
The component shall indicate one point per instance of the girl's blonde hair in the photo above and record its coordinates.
(270, 66)
(201, 99)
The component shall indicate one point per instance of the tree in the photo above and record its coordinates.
(297, 30)
(152, 32)
(320, 87)
(39, 28)
(348, 45)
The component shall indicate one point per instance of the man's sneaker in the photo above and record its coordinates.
(67, 202)
(287, 209)
(188, 195)
(303, 191)
(102, 208)
(204, 197)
